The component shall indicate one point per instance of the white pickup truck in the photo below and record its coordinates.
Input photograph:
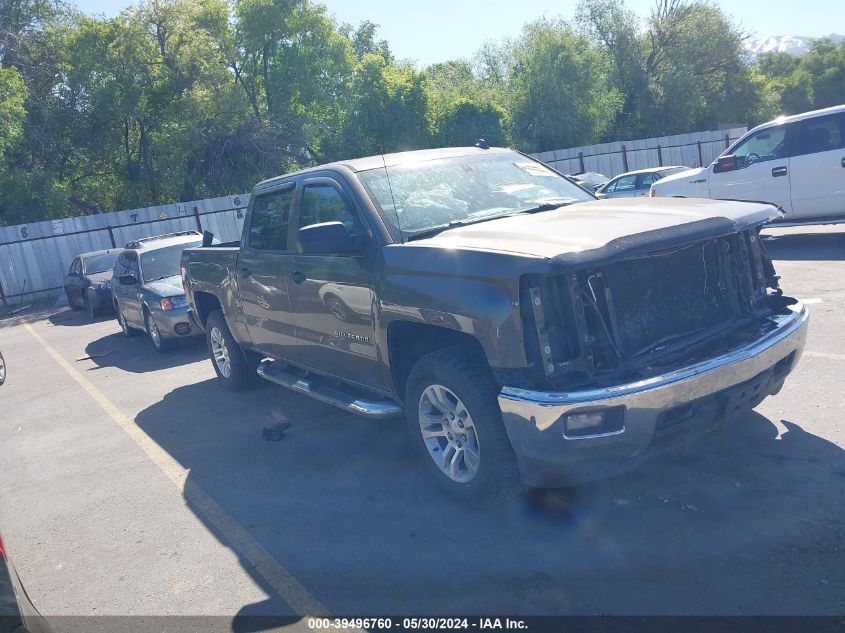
(795, 162)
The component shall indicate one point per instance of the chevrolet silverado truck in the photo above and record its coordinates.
(526, 331)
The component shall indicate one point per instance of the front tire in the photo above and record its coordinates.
(231, 364)
(127, 330)
(2, 369)
(161, 344)
(93, 312)
(455, 424)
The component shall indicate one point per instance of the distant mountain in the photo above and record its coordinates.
(792, 44)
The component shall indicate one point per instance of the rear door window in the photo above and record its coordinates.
(821, 134)
(644, 181)
(270, 219)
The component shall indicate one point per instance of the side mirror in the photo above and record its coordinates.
(328, 237)
(127, 280)
(725, 163)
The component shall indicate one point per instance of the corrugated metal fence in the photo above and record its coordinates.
(35, 257)
(695, 149)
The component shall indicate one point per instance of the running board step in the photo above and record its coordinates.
(375, 410)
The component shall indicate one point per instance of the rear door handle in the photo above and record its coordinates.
(297, 277)
(779, 171)
(244, 272)
(843, 162)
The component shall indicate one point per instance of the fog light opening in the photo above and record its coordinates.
(594, 423)
(182, 329)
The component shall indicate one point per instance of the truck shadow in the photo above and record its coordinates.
(805, 246)
(137, 355)
(349, 512)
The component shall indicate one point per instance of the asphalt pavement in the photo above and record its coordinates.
(132, 484)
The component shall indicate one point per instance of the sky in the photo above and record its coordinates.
(431, 31)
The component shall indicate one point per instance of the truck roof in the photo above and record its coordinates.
(397, 158)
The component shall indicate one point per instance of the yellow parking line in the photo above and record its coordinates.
(288, 587)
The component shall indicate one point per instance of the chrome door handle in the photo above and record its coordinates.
(779, 171)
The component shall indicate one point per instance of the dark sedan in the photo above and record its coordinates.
(87, 281)
(17, 614)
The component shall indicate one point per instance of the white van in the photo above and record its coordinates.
(796, 162)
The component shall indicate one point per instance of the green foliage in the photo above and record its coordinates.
(184, 99)
(560, 95)
(12, 110)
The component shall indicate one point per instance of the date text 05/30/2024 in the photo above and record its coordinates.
(482, 624)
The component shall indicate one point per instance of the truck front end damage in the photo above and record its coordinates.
(645, 345)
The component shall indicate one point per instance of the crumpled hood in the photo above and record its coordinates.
(594, 225)
(167, 287)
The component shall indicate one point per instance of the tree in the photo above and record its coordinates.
(387, 108)
(558, 86)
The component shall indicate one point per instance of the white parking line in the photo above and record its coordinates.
(825, 355)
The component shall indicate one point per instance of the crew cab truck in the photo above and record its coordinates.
(526, 331)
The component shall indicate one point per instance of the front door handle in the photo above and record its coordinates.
(779, 171)
(244, 272)
(297, 277)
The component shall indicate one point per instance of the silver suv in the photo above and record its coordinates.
(147, 288)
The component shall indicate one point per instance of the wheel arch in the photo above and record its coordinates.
(408, 342)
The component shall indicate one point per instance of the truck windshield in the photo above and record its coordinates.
(420, 197)
(164, 262)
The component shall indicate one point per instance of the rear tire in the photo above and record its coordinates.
(452, 398)
(233, 366)
(2, 369)
(162, 345)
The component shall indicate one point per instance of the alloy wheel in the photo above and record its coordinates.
(449, 434)
(220, 353)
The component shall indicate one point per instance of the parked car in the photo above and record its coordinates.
(524, 328)
(590, 180)
(147, 288)
(795, 162)
(2, 369)
(17, 613)
(87, 283)
(636, 183)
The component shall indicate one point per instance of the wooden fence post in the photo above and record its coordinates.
(659, 156)
(581, 161)
(624, 158)
(197, 218)
(700, 156)
(727, 141)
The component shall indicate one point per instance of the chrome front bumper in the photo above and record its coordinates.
(659, 412)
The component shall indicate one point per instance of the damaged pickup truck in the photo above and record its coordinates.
(526, 331)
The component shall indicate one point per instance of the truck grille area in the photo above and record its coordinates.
(665, 296)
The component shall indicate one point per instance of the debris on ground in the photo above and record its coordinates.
(275, 432)
(93, 356)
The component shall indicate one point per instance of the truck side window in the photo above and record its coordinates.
(821, 134)
(268, 229)
(767, 144)
(323, 203)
